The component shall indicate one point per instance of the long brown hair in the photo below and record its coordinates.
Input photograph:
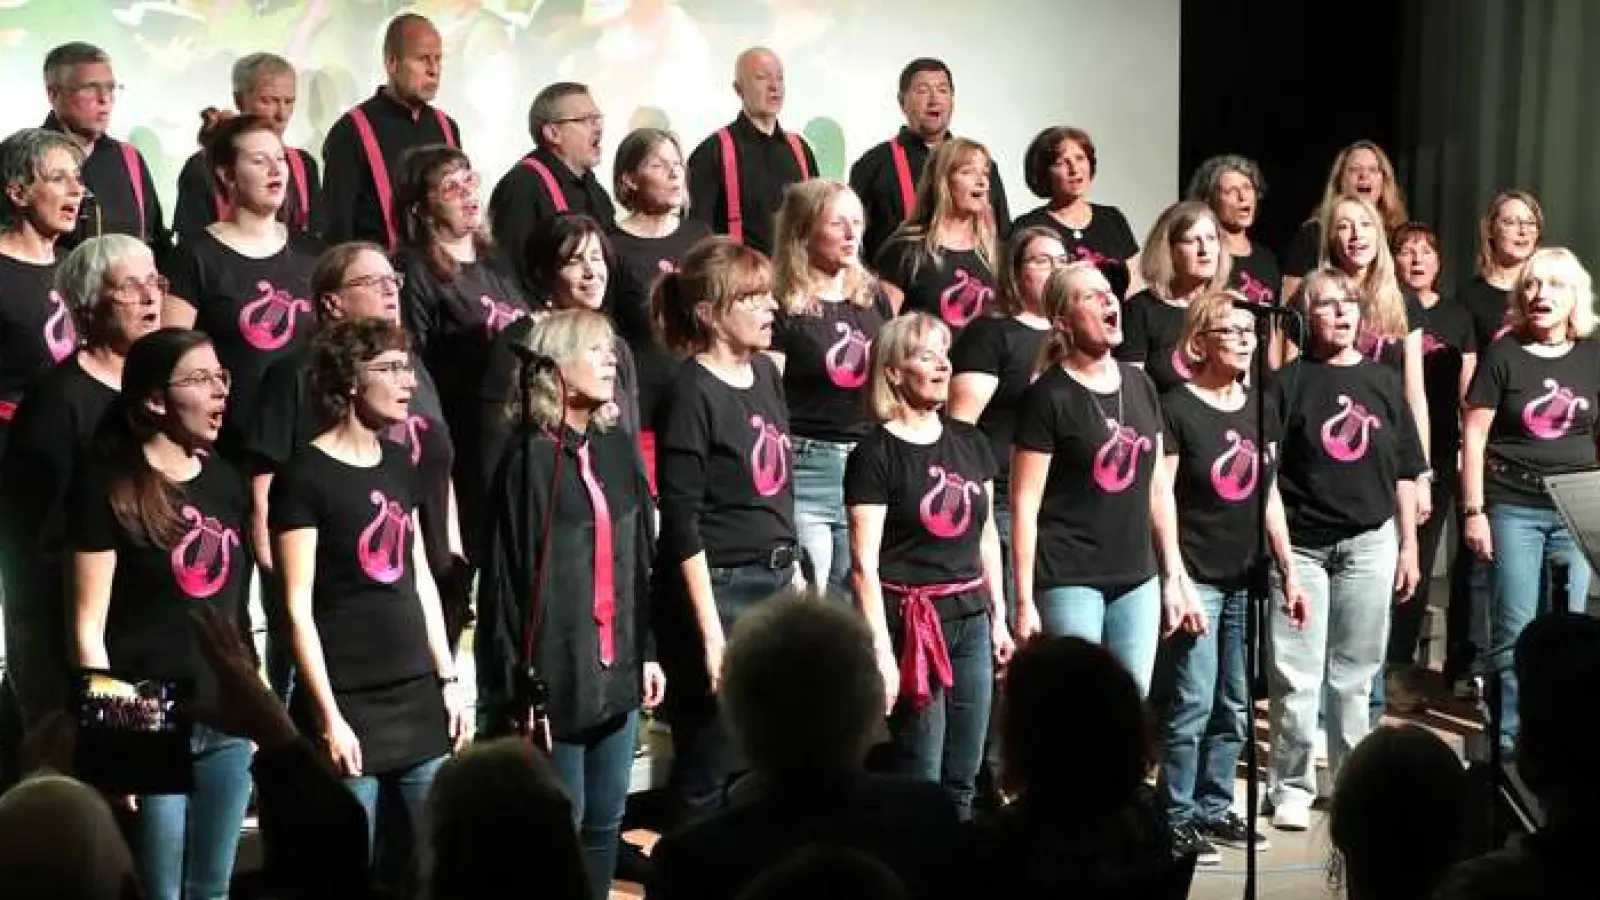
(421, 170)
(718, 272)
(934, 204)
(146, 504)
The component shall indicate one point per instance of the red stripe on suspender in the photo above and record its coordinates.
(548, 177)
(297, 171)
(902, 174)
(130, 160)
(730, 177)
(380, 171)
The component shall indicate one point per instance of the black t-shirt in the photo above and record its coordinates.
(1223, 464)
(827, 366)
(1487, 306)
(1544, 419)
(936, 508)
(36, 329)
(255, 310)
(1391, 351)
(1007, 350)
(1257, 276)
(364, 599)
(1107, 241)
(1305, 249)
(1447, 335)
(1347, 438)
(724, 467)
(1151, 329)
(1094, 519)
(148, 631)
(958, 287)
(640, 261)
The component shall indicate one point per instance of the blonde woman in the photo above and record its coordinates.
(1360, 170)
(1530, 413)
(1508, 234)
(926, 570)
(941, 260)
(829, 313)
(1086, 494)
(1183, 259)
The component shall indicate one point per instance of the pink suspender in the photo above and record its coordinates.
(902, 173)
(730, 177)
(130, 159)
(380, 171)
(297, 172)
(543, 171)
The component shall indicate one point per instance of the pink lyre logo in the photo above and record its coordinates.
(769, 457)
(961, 302)
(666, 266)
(1550, 415)
(498, 314)
(268, 322)
(381, 550)
(408, 434)
(946, 508)
(1116, 463)
(1432, 343)
(1372, 345)
(60, 334)
(1346, 435)
(203, 559)
(1254, 289)
(846, 360)
(1233, 474)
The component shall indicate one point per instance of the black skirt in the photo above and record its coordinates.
(399, 725)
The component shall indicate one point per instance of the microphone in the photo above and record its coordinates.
(533, 359)
(1263, 309)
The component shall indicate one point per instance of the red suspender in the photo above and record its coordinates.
(902, 173)
(380, 171)
(302, 190)
(219, 205)
(549, 179)
(130, 159)
(730, 177)
(444, 126)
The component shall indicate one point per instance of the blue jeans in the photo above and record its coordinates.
(596, 768)
(1526, 539)
(403, 792)
(1127, 620)
(819, 517)
(185, 843)
(943, 743)
(704, 758)
(1203, 730)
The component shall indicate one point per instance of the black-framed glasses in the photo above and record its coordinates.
(1232, 332)
(592, 119)
(221, 378)
(393, 279)
(393, 370)
(133, 291)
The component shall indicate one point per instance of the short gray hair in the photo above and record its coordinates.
(21, 159)
(543, 109)
(1206, 182)
(801, 688)
(81, 279)
(249, 70)
(61, 60)
(562, 336)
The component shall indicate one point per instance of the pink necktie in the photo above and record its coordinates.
(605, 599)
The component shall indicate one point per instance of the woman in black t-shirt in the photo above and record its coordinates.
(1508, 233)
(1086, 495)
(829, 313)
(245, 280)
(1061, 164)
(156, 527)
(1233, 187)
(1219, 464)
(569, 553)
(376, 684)
(941, 260)
(1349, 462)
(459, 292)
(36, 327)
(727, 499)
(1530, 413)
(926, 559)
(110, 284)
(1360, 170)
(1183, 259)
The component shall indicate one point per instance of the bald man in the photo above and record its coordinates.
(737, 175)
(363, 148)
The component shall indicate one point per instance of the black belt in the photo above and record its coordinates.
(777, 559)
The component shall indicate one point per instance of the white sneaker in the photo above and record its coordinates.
(1292, 817)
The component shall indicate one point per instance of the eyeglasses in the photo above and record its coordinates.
(1047, 260)
(393, 279)
(1232, 332)
(593, 120)
(221, 378)
(393, 370)
(457, 187)
(1510, 223)
(97, 88)
(754, 301)
(134, 292)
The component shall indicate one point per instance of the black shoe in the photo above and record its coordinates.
(1231, 831)
(1186, 840)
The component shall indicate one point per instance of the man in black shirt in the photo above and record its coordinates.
(364, 146)
(885, 177)
(739, 197)
(82, 91)
(555, 177)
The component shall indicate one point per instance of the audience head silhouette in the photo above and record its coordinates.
(1558, 673)
(58, 840)
(833, 872)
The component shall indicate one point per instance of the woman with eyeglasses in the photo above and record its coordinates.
(245, 280)
(378, 687)
(156, 529)
(459, 292)
(1508, 233)
(1183, 259)
(1361, 170)
(111, 286)
(41, 172)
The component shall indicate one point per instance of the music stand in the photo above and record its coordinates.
(1577, 499)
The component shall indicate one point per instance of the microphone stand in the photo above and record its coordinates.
(1256, 611)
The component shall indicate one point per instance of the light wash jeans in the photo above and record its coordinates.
(1333, 660)
(820, 522)
(186, 843)
(1203, 727)
(1126, 620)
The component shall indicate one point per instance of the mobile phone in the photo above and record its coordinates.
(133, 733)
